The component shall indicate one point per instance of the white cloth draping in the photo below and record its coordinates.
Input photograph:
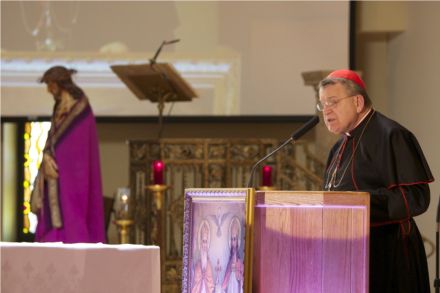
(82, 268)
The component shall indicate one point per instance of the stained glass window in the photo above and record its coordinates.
(35, 135)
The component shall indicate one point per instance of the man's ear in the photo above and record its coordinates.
(360, 103)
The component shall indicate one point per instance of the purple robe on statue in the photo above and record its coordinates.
(80, 198)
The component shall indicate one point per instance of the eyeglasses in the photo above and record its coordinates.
(332, 102)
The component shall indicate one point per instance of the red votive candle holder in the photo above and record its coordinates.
(267, 176)
(158, 169)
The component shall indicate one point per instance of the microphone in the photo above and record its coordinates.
(153, 60)
(171, 42)
(294, 137)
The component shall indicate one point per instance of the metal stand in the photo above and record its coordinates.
(158, 198)
(124, 233)
(158, 223)
(160, 107)
(437, 280)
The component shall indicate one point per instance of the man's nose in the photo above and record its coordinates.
(326, 110)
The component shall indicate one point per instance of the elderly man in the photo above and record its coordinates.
(377, 155)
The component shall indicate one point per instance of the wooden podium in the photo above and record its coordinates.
(311, 242)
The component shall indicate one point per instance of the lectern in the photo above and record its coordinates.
(311, 242)
(157, 82)
(154, 82)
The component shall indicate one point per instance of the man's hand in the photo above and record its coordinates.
(50, 167)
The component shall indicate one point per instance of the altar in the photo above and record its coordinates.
(81, 267)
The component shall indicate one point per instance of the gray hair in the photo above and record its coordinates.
(351, 87)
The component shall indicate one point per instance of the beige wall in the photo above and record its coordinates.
(414, 76)
(401, 63)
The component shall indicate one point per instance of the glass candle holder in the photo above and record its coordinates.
(123, 204)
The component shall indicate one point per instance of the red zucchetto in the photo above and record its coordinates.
(348, 74)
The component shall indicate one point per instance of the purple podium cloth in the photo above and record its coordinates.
(79, 186)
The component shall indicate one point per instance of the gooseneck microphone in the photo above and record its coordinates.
(153, 60)
(163, 74)
(294, 137)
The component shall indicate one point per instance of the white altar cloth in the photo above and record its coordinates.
(79, 268)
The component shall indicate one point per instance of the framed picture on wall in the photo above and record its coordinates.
(217, 240)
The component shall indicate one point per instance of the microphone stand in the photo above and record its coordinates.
(437, 279)
(249, 184)
(162, 98)
(300, 132)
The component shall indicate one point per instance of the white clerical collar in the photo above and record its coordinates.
(359, 122)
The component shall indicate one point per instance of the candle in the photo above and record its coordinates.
(125, 203)
(158, 168)
(267, 176)
(123, 208)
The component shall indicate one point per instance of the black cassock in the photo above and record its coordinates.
(383, 158)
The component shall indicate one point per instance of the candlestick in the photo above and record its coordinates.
(124, 229)
(267, 176)
(158, 194)
(158, 191)
(158, 169)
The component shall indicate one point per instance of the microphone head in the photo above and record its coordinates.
(172, 41)
(438, 211)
